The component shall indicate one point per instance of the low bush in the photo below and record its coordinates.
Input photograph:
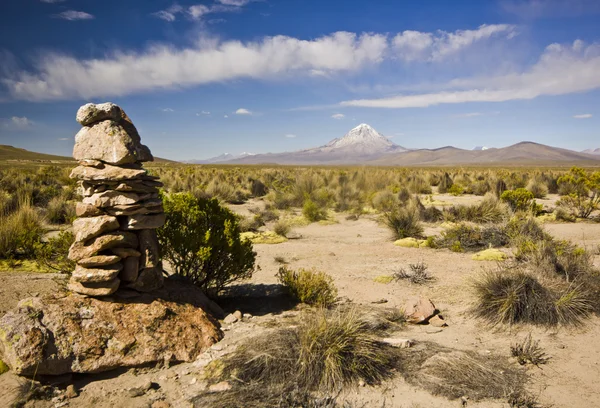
(514, 296)
(326, 351)
(53, 254)
(528, 351)
(519, 199)
(282, 228)
(417, 274)
(313, 212)
(201, 240)
(60, 211)
(538, 189)
(581, 192)
(404, 222)
(490, 210)
(465, 237)
(309, 286)
(20, 233)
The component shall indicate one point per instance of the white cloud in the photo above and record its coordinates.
(242, 111)
(421, 46)
(64, 139)
(167, 110)
(225, 116)
(583, 116)
(73, 15)
(290, 136)
(468, 115)
(236, 3)
(59, 76)
(338, 116)
(16, 123)
(203, 113)
(198, 11)
(561, 69)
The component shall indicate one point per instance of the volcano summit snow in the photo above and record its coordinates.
(363, 143)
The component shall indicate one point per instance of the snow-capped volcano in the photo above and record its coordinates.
(362, 137)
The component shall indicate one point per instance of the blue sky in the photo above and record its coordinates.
(200, 78)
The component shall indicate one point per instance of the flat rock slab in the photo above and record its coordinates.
(74, 334)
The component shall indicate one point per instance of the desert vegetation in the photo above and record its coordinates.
(221, 219)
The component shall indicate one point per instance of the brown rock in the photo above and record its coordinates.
(91, 163)
(148, 280)
(419, 310)
(90, 227)
(112, 198)
(99, 274)
(96, 289)
(71, 392)
(108, 173)
(99, 260)
(131, 268)
(87, 210)
(65, 334)
(220, 387)
(80, 250)
(149, 247)
(135, 186)
(143, 222)
(145, 207)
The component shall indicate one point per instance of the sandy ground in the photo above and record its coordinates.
(355, 253)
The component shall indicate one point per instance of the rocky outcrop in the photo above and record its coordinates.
(120, 208)
(76, 334)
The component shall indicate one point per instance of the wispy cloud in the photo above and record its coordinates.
(532, 9)
(561, 69)
(52, 1)
(467, 115)
(243, 111)
(164, 66)
(198, 11)
(583, 116)
(424, 46)
(290, 136)
(73, 15)
(167, 110)
(203, 113)
(16, 123)
(64, 139)
(338, 116)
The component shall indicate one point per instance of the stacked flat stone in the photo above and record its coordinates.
(115, 235)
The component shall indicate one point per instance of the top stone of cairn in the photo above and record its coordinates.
(108, 135)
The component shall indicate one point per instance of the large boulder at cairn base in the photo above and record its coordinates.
(76, 334)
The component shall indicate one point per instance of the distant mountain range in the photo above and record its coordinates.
(364, 145)
(220, 159)
(15, 153)
(592, 151)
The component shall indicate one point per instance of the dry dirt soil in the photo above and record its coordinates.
(354, 253)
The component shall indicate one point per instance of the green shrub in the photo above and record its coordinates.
(582, 197)
(201, 240)
(20, 233)
(490, 210)
(309, 286)
(53, 254)
(519, 199)
(60, 211)
(313, 212)
(404, 222)
(538, 189)
(282, 228)
(456, 190)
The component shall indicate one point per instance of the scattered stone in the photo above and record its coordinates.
(193, 381)
(419, 310)
(238, 314)
(400, 343)
(230, 319)
(71, 392)
(438, 321)
(247, 316)
(380, 301)
(220, 387)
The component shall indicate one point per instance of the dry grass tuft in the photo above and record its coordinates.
(308, 286)
(417, 274)
(528, 351)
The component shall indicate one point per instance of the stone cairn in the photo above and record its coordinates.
(115, 235)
